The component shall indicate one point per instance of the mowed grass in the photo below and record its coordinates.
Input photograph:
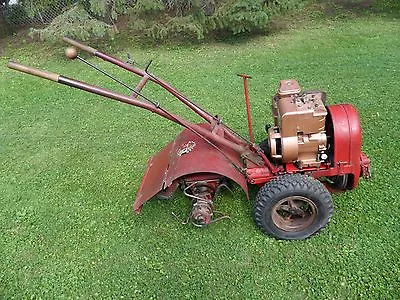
(71, 163)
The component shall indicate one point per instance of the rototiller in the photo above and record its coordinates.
(311, 150)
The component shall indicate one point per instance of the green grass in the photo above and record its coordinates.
(71, 163)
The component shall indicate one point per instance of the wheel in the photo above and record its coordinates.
(339, 182)
(293, 207)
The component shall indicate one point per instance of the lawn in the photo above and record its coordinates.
(71, 163)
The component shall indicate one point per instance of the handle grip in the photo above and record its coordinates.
(33, 71)
(80, 46)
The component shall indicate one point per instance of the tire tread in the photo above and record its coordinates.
(291, 182)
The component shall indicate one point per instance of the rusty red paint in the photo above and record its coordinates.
(247, 100)
(347, 140)
(171, 164)
(140, 86)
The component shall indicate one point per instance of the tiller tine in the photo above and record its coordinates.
(203, 194)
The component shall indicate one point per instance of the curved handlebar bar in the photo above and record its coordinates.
(33, 71)
(203, 132)
(80, 46)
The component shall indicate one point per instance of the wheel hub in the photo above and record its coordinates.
(294, 213)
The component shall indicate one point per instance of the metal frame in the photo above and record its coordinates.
(224, 146)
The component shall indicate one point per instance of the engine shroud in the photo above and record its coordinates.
(299, 133)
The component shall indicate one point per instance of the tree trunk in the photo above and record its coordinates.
(108, 12)
(4, 30)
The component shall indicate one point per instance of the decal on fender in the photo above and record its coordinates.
(186, 148)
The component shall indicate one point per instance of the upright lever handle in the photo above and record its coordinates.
(247, 98)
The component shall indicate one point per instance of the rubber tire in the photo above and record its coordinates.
(340, 181)
(292, 185)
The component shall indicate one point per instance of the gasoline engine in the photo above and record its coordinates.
(299, 131)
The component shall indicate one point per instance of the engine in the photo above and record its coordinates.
(299, 133)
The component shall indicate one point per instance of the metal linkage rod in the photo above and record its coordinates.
(199, 131)
(232, 134)
(105, 73)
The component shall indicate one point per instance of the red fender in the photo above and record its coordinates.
(188, 154)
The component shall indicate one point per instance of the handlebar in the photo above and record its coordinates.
(205, 133)
(80, 46)
(33, 71)
(232, 139)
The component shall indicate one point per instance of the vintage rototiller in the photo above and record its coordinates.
(311, 150)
